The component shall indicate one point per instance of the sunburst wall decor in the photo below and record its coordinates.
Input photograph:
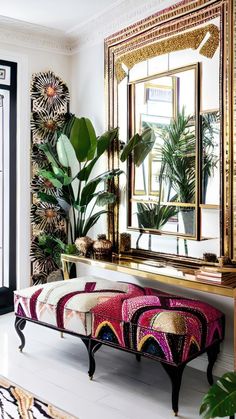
(49, 112)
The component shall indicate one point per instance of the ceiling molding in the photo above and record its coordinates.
(119, 15)
(24, 34)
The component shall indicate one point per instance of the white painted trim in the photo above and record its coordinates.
(24, 34)
(23, 168)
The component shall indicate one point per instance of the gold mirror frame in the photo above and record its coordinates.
(144, 40)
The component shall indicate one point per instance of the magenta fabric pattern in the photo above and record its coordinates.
(67, 304)
(170, 328)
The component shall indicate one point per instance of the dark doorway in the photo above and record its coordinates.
(8, 124)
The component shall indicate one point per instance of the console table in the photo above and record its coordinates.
(154, 270)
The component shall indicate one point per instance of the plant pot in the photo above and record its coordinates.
(102, 248)
(188, 217)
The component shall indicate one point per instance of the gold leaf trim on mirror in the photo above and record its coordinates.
(191, 39)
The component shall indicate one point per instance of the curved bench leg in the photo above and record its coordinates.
(175, 374)
(92, 347)
(212, 354)
(19, 326)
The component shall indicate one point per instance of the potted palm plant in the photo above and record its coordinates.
(179, 163)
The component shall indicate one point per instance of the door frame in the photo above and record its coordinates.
(6, 293)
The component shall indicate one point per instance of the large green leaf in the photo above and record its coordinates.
(129, 147)
(91, 221)
(66, 154)
(144, 147)
(50, 176)
(104, 141)
(68, 125)
(47, 198)
(90, 187)
(83, 139)
(57, 181)
(105, 198)
(103, 144)
(140, 146)
(220, 401)
(49, 153)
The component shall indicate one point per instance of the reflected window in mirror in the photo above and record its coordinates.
(163, 194)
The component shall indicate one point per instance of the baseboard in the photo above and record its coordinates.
(224, 363)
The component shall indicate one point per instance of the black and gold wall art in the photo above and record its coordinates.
(49, 112)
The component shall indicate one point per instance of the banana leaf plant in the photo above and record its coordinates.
(220, 401)
(72, 161)
(71, 164)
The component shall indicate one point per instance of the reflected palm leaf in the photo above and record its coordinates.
(178, 157)
(154, 215)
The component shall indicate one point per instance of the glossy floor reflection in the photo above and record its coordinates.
(56, 369)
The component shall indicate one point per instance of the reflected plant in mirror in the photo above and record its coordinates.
(178, 169)
(153, 216)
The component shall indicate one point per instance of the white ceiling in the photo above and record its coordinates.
(64, 15)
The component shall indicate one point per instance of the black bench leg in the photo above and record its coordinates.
(138, 357)
(175, 374)
(212, 353)
(92, 347)
(19, 326)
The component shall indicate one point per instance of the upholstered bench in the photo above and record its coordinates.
(143, 321)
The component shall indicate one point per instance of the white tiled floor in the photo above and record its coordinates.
(56, 370)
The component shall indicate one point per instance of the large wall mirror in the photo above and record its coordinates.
(172, 73)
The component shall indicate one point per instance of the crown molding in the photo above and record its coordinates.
(117, 16)
(24, 34)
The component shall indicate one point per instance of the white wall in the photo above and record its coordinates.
(29, 61)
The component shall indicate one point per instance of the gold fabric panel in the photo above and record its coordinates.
(169, 322)
(191, 39)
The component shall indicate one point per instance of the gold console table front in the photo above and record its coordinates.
(181, 277)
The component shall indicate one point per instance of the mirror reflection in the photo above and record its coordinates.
(164, 186)
(172, 203)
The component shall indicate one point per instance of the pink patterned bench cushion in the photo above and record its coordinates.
(67, 304)
(169, 327)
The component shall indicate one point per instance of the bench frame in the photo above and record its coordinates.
(174, 372)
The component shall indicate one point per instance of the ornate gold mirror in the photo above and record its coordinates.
(172, 72)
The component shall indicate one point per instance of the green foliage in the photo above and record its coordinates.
(220, 401)
(83, 139)
(179, 157)
(140, 146)
(70, 167)
(154, 216)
